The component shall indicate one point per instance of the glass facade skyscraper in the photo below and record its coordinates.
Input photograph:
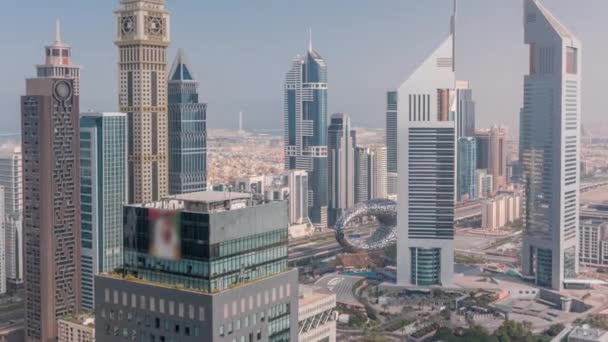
(187, 131)
(550, 148)
(103, 184)
(391, 141)
(341, 165)
(305, 128)
(467, 166)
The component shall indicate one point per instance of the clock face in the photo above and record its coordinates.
(127, 25)
(63, 91)
(155, 26)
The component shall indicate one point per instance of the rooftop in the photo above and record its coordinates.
(87, 320)
(587, 332)
(205, 201)
(310, 295)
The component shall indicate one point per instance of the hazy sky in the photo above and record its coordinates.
(240, 51)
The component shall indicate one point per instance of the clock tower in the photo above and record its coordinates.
(143, 38)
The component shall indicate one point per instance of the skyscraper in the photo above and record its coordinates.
(427, 142)
(391, 141)
(59, 62)
(362, 174)
(379, 180)
(142, 40)
(341, 165)
(465, 117)
(467, 166)
(11, 178)
(492, 154)
(103, 184)
(51, 206)
(3, 254)
(187, 131)
(550, 148)
(370, 173)
(305, 130)
(204, 266)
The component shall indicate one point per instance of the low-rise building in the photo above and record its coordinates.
(587, 334)
(79, 328)
(593, 235)
(500, 211)
(316, 316)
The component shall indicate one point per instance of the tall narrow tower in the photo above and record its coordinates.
(142, 40)
(305, 130)
(51, 184)
(427, 184)
(550, 144)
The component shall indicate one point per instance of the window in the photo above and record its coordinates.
(571, 60)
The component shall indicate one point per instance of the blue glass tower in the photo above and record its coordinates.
(103, 192)
(187, 131)
(467, 165)
(305, 131)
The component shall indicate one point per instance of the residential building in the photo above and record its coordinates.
(427, 171)
(305, 130)
(204, 266)
(550, 148)
(501, 210)
(465, 110)
(11, 179)
(142, 41)
(103, 192)
(292, 186)
(316, 315)
(51, 207)
(467, 163)
(341, 144)
(492, 154)
(187, 130)
(80, 328)
(483, 184)
(391, 141)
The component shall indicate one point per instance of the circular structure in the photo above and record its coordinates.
(384, 210)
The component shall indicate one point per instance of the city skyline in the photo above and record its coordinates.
(263, 105)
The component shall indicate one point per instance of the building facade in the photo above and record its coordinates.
(500, 211)
(550, 148)
(483, 184)
(143, 38)
(467, 166)
(362, 174)
(11, 179)
(80, 328)
(187, 131)
(3, 258)
(493, 154)
(341, 144)
(103, 192)
(427, 171)
(51, 207)
(593, 235)
(316, 315)
(206, 266)
(305, 128)
(391, 141)
(292, 186)
(465, 117)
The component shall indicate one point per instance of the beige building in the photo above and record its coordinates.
(316, 315)
(143, 38)
(501, 210)
(492, 153)
(77, 329)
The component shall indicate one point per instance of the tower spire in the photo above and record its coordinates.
(453, 33)
(57, 32)
(309, 39)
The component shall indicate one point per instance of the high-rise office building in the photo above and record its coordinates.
(379, 179)
(550, 148)
(427, 138)
(362, 174)
(187, 130)
(305, 131)
(341, 144)
(465, 110)
(204, 266)
(11, 178)
(3, 259)
(142, 40)
(51, 207)
(391, 141)
(103, 184)
(467, 166)
(493, 154)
